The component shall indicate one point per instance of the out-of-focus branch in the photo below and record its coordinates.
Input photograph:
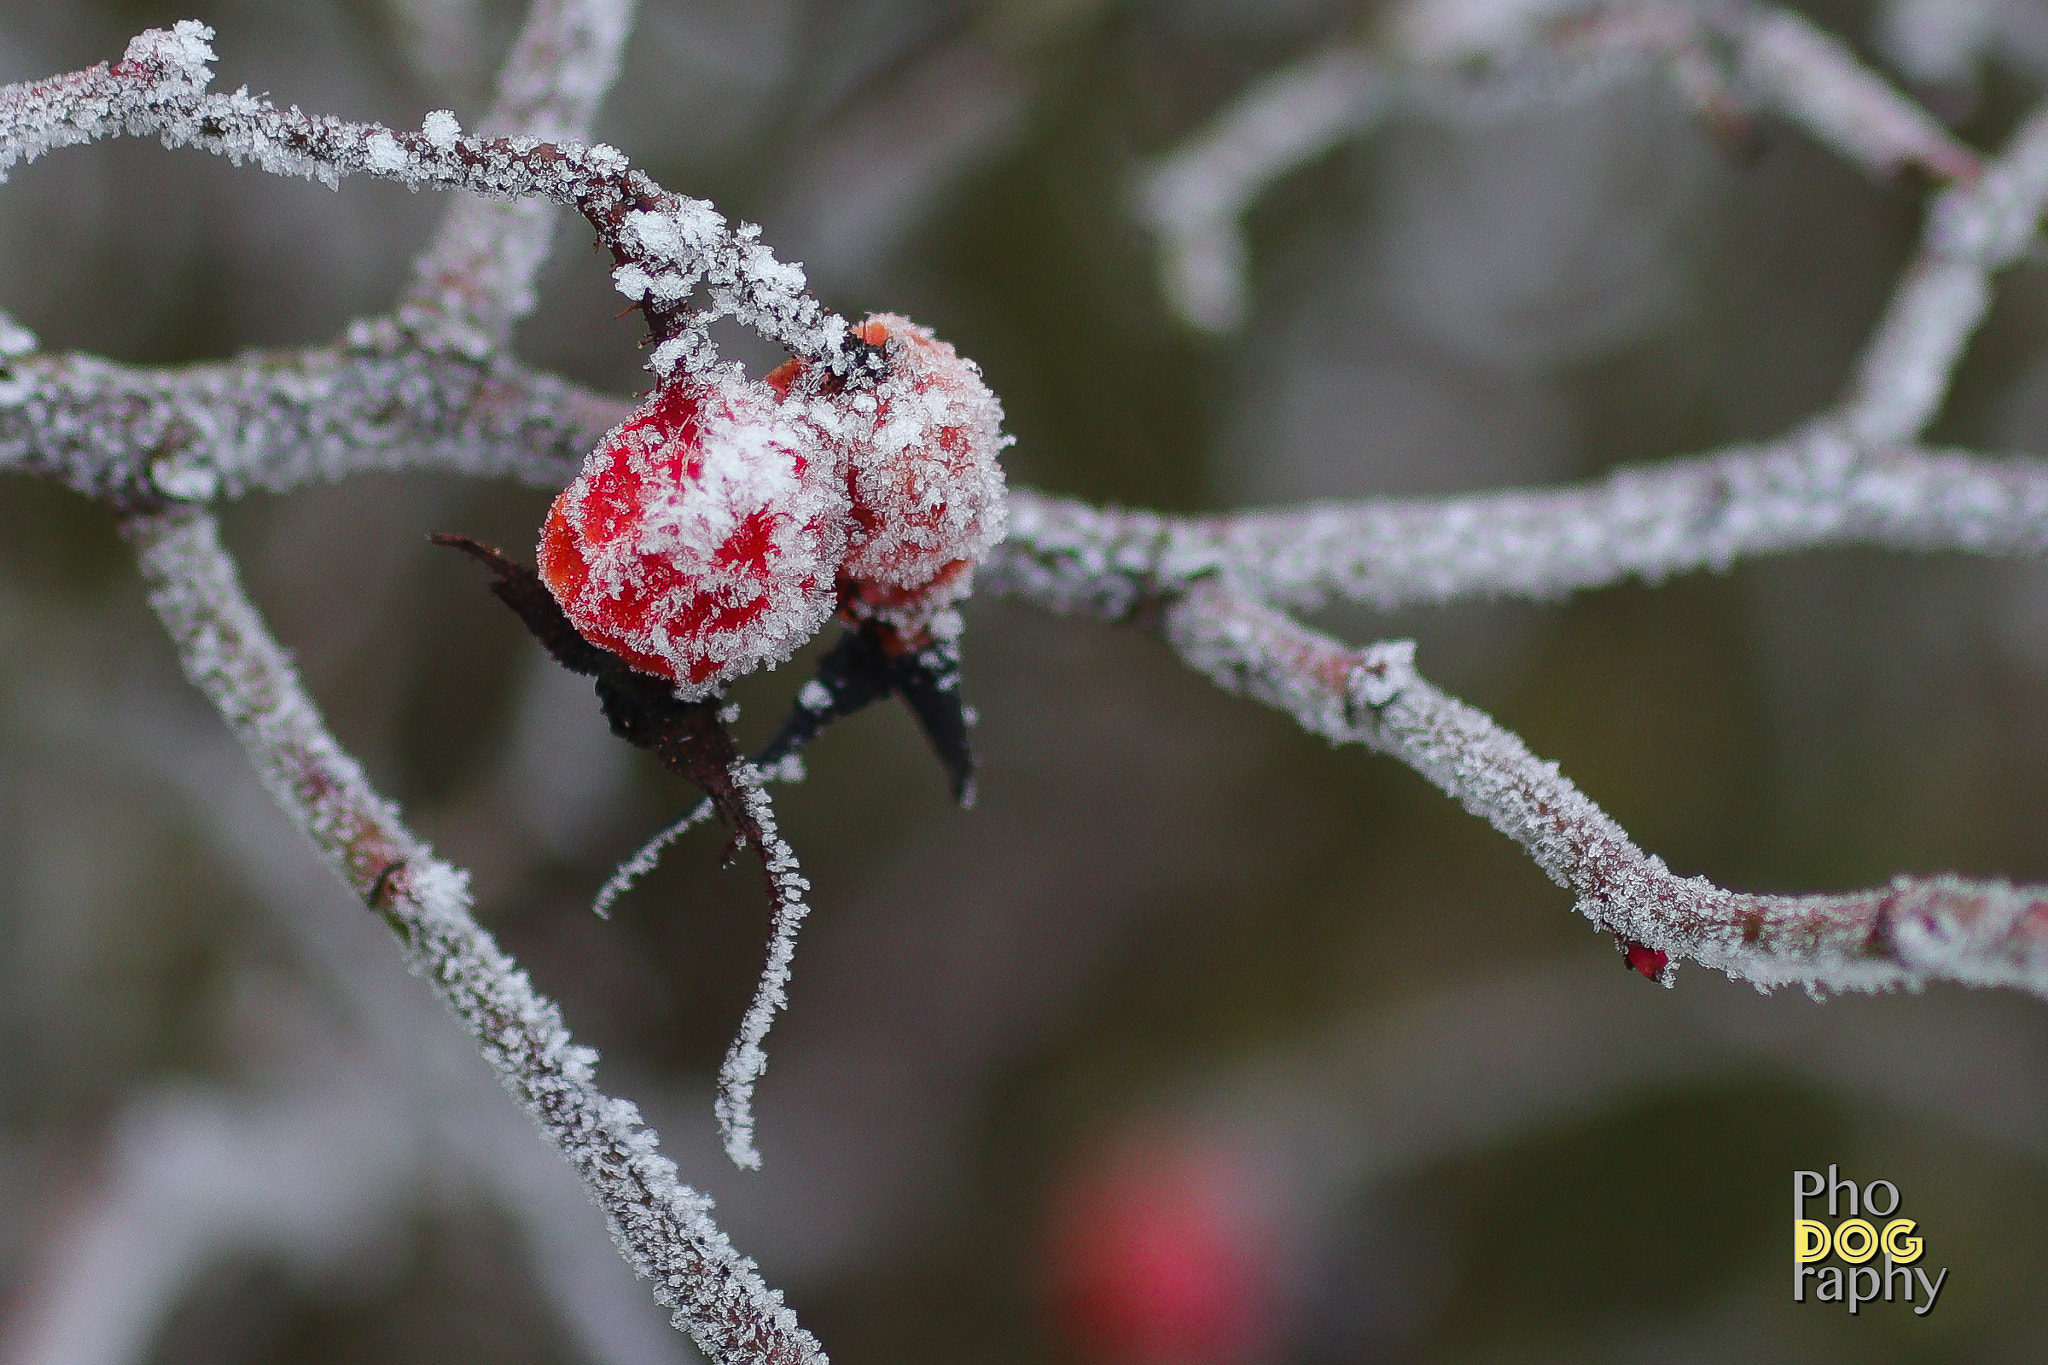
(305, 1174)
(1914, 931)
(476, 280)
(1973, 230)
(1195, 198)
(1447, 61)
(1811, 78)
(662, 1226)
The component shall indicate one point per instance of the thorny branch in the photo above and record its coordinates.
(664, 1228)
(1912, 932)
(432, 387)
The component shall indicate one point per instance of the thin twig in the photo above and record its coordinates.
(678, 258)
(746, 1060)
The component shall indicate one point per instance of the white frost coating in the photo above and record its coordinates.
(644, 859)
(745, 1061)
(160, 71)
(1907, 934)
(663, 1227)
(441, 129)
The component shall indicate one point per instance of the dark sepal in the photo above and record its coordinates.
(520, 588)
(859, 671)
(687, 736)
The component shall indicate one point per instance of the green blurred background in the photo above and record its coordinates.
(1196, 1041)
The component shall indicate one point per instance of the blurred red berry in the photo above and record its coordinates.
(1161, 1256)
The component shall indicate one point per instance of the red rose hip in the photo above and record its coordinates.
(704, 536)
(924, 484)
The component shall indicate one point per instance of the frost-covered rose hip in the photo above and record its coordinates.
(925, 488)
(705, 534)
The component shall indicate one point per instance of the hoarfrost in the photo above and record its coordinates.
(441, 130)
(746, 1061)
(644, 859)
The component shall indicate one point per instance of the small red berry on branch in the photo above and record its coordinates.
(717, 528)
(704, 535)
(722, 524)
(923, 481)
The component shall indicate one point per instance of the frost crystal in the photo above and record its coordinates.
(441, 129)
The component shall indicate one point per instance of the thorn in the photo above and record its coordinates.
(1645, 961)
(520, 588)
(383, 881)
(861, 670)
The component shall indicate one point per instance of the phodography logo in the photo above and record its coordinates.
(1868, 1236)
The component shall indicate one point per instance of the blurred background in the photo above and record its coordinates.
(1196, 1042)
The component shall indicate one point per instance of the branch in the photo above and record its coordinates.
(280, 420)
(668, 247)
(1973, 230)
(1810, 77)
(663, 1227)
(1194, 198)
(1648, 522)
(1912, 932)
(1440, 63)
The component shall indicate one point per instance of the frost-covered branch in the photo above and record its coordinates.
(1811, 78)
(1647, 522)
(678, 258)
(280, 420)
(1914, 931)
(663, 1227)
(1973, 230)
(1453, 61)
